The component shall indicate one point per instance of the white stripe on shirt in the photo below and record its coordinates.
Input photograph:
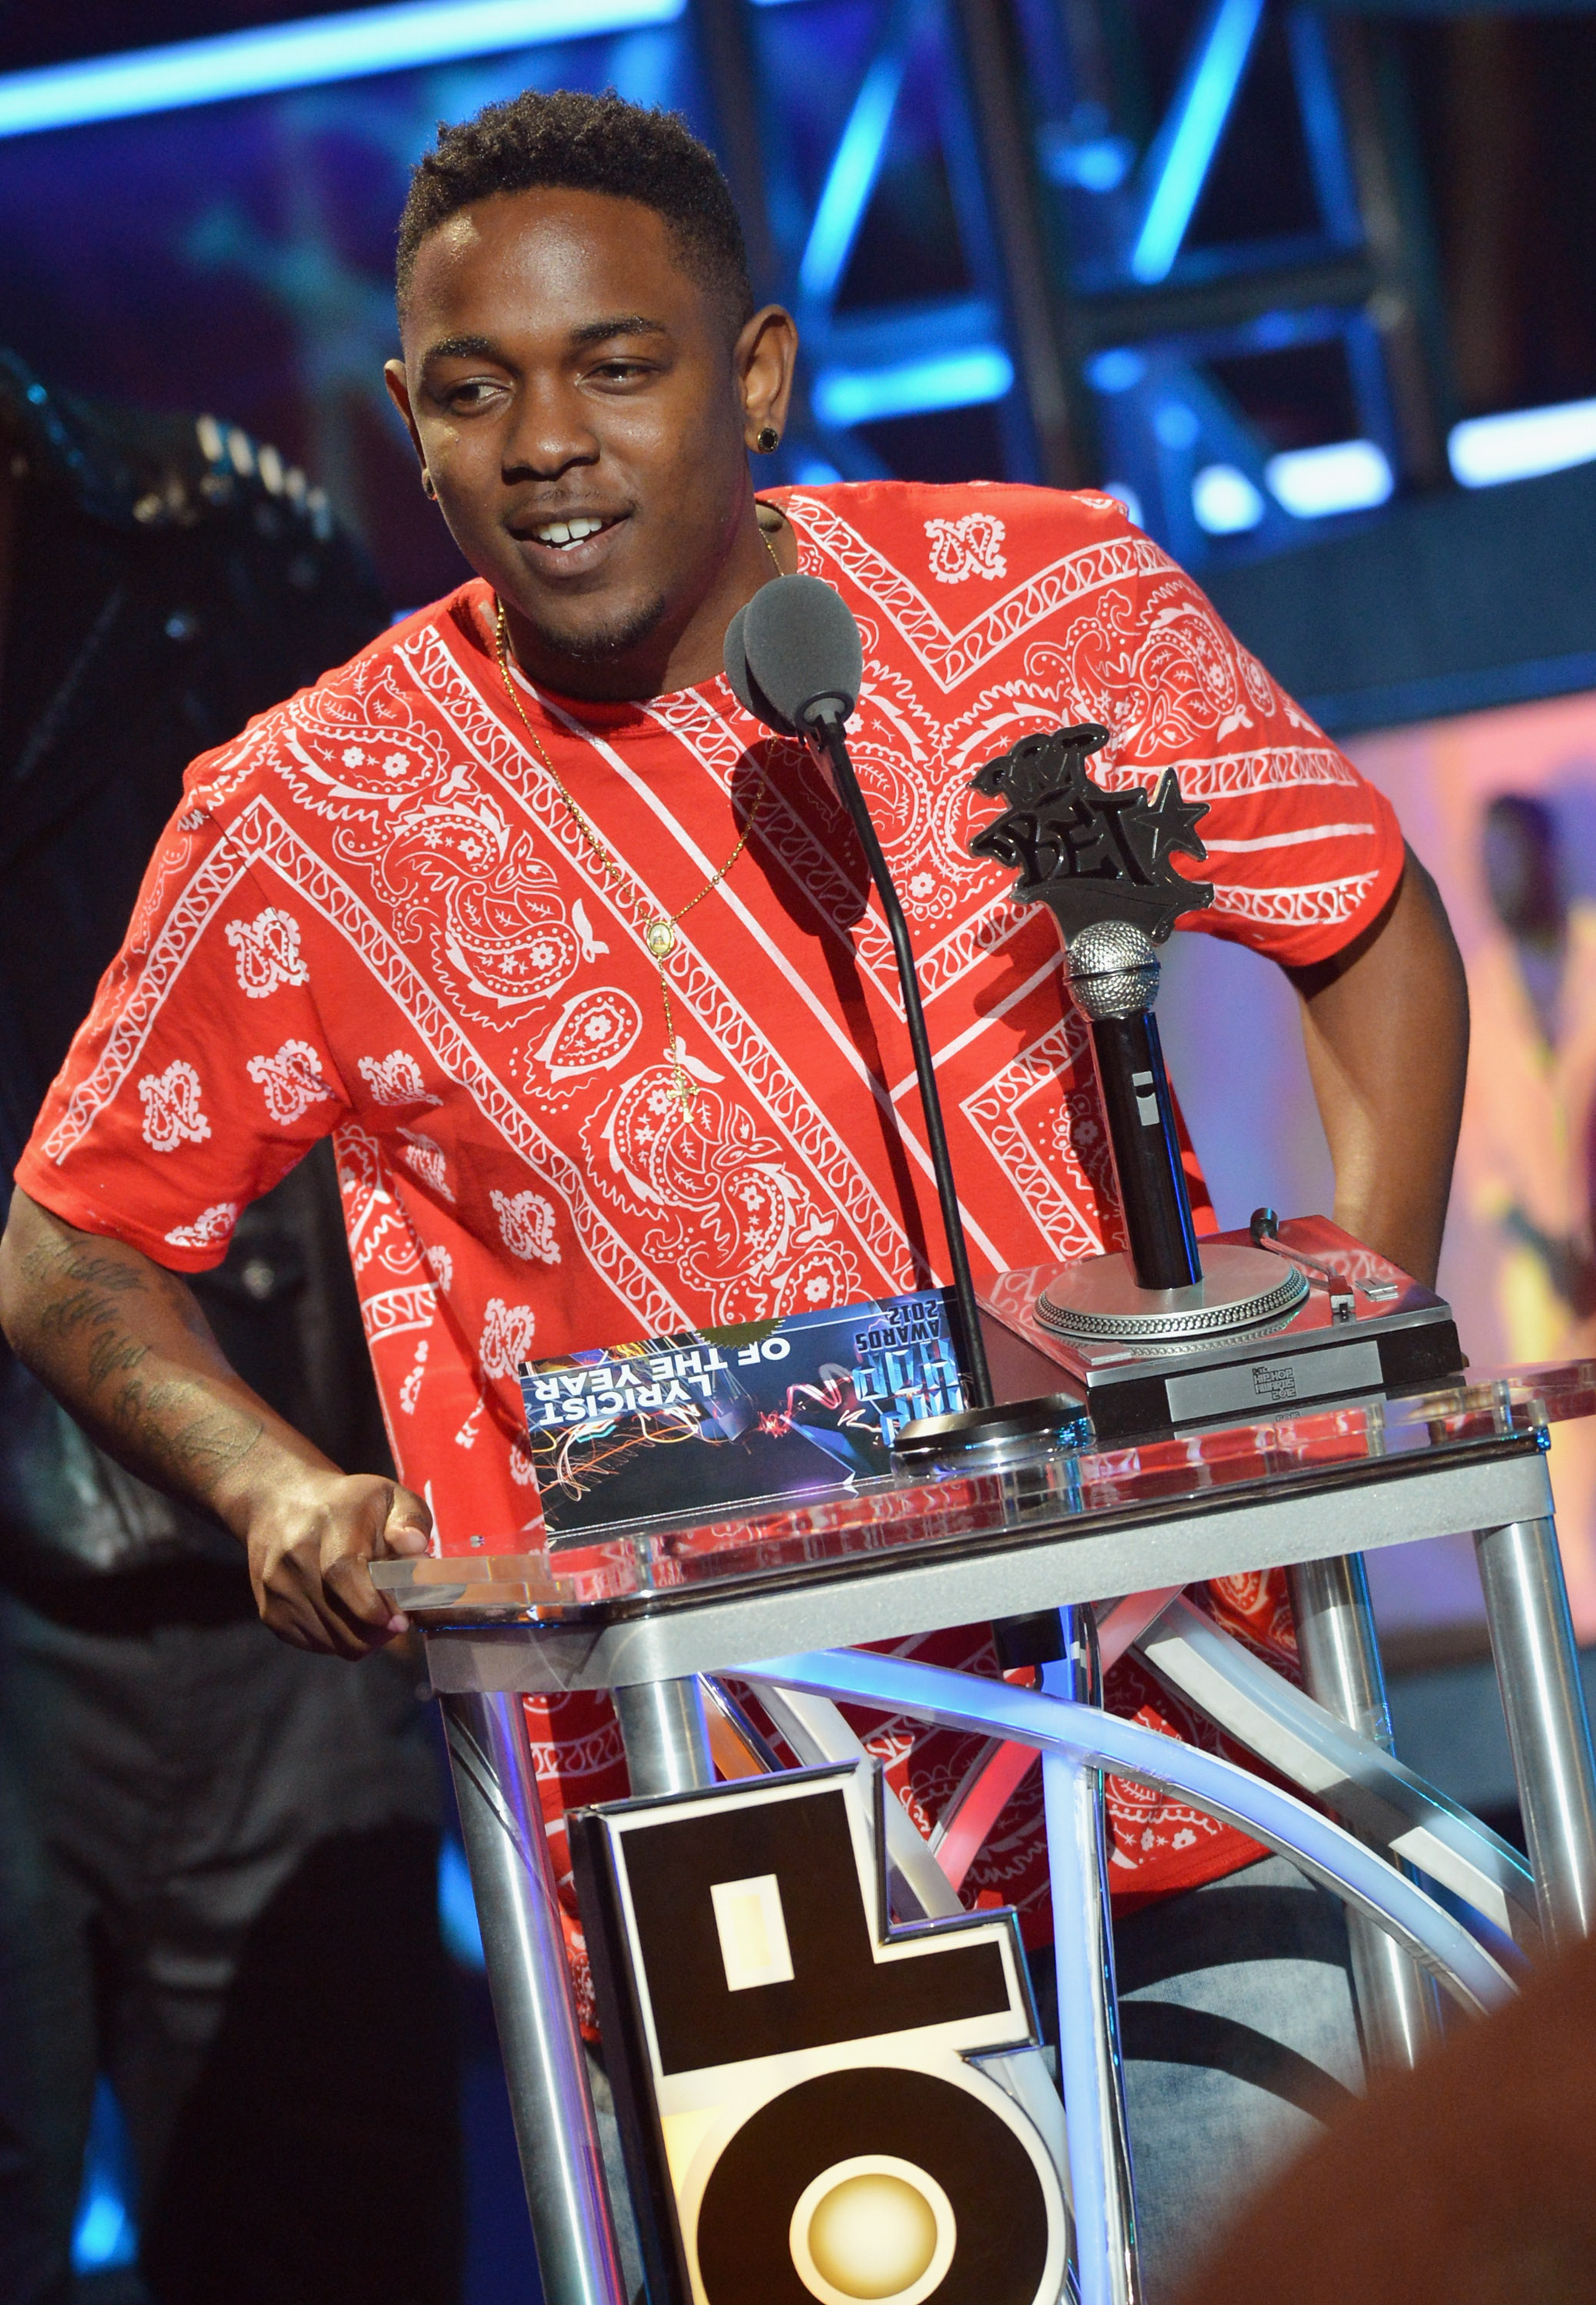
(1289, 839)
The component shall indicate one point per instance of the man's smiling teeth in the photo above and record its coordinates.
(568, 532)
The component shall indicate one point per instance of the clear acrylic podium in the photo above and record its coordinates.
(782, 1599)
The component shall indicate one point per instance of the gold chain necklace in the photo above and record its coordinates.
(658, 934)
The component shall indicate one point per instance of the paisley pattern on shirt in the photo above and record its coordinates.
(376, 916)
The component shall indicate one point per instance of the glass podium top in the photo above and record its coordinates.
(993, 1499)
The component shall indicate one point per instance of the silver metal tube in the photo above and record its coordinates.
(1107, 2270)
(1532, 1639)
(1325, 1850)
(1340, 1664)
(1336, 1646)
(666, 1736)
(512, 1879)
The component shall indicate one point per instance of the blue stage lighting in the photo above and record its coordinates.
(843, 396)
(1346, 476)
(1098, 163)
(104, 2235)
(854, 168)
(1179, 162)
(1516, 446)
(1118, 371)
(457, 1906)
(1223, 500)
(1175, 424)
(319, 48)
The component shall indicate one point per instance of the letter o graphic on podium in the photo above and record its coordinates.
(873, 2227)
(806, 2117)
(961, 2213)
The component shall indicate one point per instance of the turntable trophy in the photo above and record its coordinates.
(1164, 1332)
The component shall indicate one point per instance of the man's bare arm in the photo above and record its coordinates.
(122, 1344)
(1386, 1025)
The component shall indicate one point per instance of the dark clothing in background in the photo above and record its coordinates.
(218, 1855)
(94, 1547)
(218, 1885)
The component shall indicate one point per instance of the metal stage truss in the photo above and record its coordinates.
(988, 205)
(1175, 247)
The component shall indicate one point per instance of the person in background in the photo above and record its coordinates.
(218, 1854)
(1525, 1159)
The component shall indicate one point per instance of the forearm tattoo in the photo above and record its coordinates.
(197, 1451)
(85, 1342)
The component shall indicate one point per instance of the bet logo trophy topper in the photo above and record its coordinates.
(800, 2113)
(1090, 856)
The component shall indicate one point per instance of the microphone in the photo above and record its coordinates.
(741, 682)
(1113, 976)
(803, 649)
(795, 661)
(1101, 863)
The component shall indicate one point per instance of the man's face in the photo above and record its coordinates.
(577, 396)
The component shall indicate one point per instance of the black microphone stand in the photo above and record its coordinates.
(1046, 1635)
(809, 644)
(826, 721)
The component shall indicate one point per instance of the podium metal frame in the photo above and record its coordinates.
(799, 1634)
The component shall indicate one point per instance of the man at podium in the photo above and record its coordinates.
(579, 969)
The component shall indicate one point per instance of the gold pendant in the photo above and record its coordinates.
(660, 937)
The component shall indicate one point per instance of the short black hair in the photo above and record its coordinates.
(587, 144)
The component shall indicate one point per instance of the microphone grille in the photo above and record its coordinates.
(742, 683)
(1112, 969)
(802, 644)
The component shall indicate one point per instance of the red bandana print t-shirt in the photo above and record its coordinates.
(375, 916)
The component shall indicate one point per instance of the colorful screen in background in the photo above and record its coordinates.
(1501, 806)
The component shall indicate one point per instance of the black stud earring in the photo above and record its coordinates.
(427, 488)
(769, 440)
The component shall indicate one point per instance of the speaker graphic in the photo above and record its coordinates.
(802, 2106)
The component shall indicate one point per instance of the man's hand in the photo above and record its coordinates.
(308, 1548)
(124, 1346)
(1386, 1025)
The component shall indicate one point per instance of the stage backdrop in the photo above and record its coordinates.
(1518, 1259)
(238, 258)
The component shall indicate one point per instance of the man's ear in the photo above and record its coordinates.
(399, 392)
(764, 357)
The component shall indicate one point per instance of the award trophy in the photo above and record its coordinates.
(1166, 1332)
